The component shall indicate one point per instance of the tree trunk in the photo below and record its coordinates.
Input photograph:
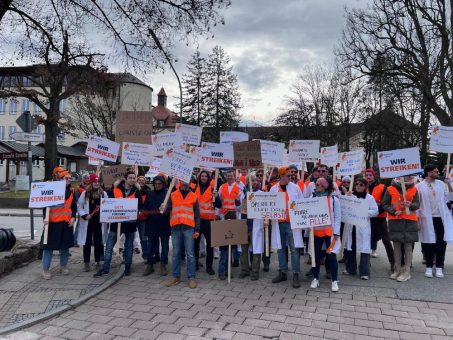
(424, 125)
(50, 144)
(4, 5)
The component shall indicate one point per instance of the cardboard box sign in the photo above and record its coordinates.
(247, 155)
(112, 173)
(134, 126)
(228, 232)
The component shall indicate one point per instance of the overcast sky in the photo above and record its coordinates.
(268, 41)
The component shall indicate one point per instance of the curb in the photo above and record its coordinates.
(60, 310)
(20, 215)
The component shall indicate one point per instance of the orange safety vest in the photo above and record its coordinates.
(142, 216)
(378, 194)
(118, 193)
(397, 203)
(243, 179)
(301, 185)
(64, 213)
(228, 198)
(182, 209)
(286, 204)
(207, 211)
(323, 232)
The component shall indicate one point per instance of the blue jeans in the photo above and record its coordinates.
(127, 252)
(141, 225)
(183, 236)
(223, 259)
(47, 258)
(330, 258)
(153, 247)
(287, 239)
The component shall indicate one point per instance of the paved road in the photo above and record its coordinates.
(21, 225)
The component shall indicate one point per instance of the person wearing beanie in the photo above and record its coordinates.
(435, 219)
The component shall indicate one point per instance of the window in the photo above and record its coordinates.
(60, 161)
(13, 107)
(2, 105)
(26, 105)
(161, 123)
(2, 132)
(37, 108)
(11, 130)
(1, 162)
(35, 162)
(27, 81)
(63, 105)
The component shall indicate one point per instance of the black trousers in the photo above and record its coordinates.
(205, 229)
(94, 237)
(380, 231)
(439, 248)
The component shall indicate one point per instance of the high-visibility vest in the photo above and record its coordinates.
(118, 193)
(323, 232)
(228, 198)
(243, 179)
(182, 209)
(207, 211)
(286, 219)
(378, 194)
(301, 185)
(141, 216)
(64, 213)
(397, 203)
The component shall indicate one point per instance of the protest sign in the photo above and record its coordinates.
(154, 167)
(213, 155)
(136, 154)
(304, 150)
(230, 137)
(351, 163)
(112, 173)
(401, 162)
(162, 142)
(441, 139)
(133, 126)
(247, 155)
(95, 161)
(228, 232)
(354, 210)
(178, 164)
(188, 134)
(21, 182)
(272, 153)
(310, 213)
(266, 205)
(118, 210)
(47, 194)
(329, 155)
(102, 148)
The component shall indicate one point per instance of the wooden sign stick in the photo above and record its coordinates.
(302, 173)
(343, 236)
(447, 167)
(216, 179)
(118, 238)
(264, 177)
(403, 189)
(229, 263)
(98, 169)
(167, 196)
(312, 247)
(266, 237)
(46, 226)
(250, 180)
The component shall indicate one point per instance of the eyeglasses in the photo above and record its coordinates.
(260, 175)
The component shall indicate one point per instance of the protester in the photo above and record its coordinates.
(266, 259)
(403, 227)
(273, 179)
(142, 217)
(80, 233)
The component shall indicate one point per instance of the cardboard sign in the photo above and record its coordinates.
(272, 153)
(329, 155)
(247, 155)
(136, 154)
(154, 167)
(162, 142)
(118, 210)
(266, 205)
(95, 161)
(441, 139)
(112, 173)
(178, 164)
(102, 148)
(310, 213)
(351, 163)
(230, 137)
(134, 126)
(228, 232)
(213, 155)
(304, 150)
(354, 210)
(401, 162)
(22, 183)
(188, 134)
(47, 194)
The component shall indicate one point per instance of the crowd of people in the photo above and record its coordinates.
(422, 213)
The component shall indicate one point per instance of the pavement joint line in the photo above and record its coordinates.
(72, 305)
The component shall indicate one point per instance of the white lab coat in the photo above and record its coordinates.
(258, 236)
(83, 209)
(363, 233)
(426, 233)
(310, 189)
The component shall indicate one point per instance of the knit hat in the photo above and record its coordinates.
(346, 179)
(160, 179)
(375, 175)
(93, 178)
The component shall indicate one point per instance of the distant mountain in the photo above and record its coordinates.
(251, 123)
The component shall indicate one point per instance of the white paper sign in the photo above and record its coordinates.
(136, 154)
(188, 134)
(102, 148)
(441, 139)
(304, 150)
(310, 213)
(213, 155)
(266, 205)
(329, 155)
(351, 163)
(154, 167)
(401, 162)
(162, 142)
(95, 161)
(47, 194)
(118, 210)
(354, 210)
(272, 153)
(22, 183)
(230, 137)
(178, 164)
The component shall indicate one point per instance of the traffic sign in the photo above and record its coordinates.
(26, 122)
(28, 137)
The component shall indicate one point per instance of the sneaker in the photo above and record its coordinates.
(439, 273)
(149, 269)
(364, 277)
(173, 281)
(403, 277)
(100, 273)
(243, 275)
(192, 284)
(254, 276)
(222, 276)
(335, 286)
(87, 267)
(296, 282)
(429, 272)
(64, 270)
(395, 275)
(163, 269)
(136, 250)
(46, 275)
(345, 272)
(314, 284)
(373, 254)
(280, 277)
(210, 271)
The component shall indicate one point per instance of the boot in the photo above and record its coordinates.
(280, 277)
(396, 271)
(87, 267)
(296, 282)
(163, 269)
(149, 269)
(405, 274)
(46, 275)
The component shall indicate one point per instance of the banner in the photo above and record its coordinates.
(266, 205)
(213, 155)
(95, 161)
(154, 167)
(133, 126)
(401, 162)
(136, 154)
(178, 164)
(163, 142)
(351, 163)
(272, 153)
(47, 194)
(310, 213)
(441, 139)
(230, 137)
(329, 155)
(354, 210)
(188, 134)
(118, 210)
(112, 173)
(247, 155)
(102, 148)
(228, 232)
(304, 150)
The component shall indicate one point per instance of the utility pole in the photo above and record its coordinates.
(30, 171)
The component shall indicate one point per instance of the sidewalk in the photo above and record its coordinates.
(20, 212)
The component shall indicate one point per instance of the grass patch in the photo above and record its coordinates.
(12, 194)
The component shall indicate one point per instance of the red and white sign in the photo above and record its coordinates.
(310, 213)
(304, 150)
(102, 148)
(47, 194)
(213, 155)
(266, 205)
(118, 210)
(230, 137)
(401, 162)
(95, 161)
